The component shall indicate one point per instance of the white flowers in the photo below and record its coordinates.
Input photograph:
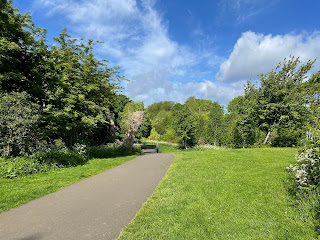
(305, 172)
(80, 148)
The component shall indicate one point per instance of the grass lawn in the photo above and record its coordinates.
(21, 190)
(222, 194)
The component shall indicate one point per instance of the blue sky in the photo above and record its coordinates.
(174, 49)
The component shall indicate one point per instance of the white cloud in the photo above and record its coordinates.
(136, 38)
(254, 54)
(216, 91)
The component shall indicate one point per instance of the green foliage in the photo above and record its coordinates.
(52, 157)
(184, 126)
(23, 54)
(74, 90)
(282, 102)
(79, 103)
(18, 124)
(154, 135)
(145, 128)
(112, 150)
(23, 166)
(215, 129)
(304, 181)
(154, 109)
(305, 173)
(58, 156)
(169, 136)
(61, 157)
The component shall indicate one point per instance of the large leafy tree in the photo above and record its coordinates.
(73, 89)
(80, 101)
(183, 123)
(312, 87)
(160, 115)
(23, 53)
(215, 125)
(282, 108)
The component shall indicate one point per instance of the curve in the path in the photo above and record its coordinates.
(94, 208)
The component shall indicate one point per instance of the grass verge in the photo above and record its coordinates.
(222, 194)
(15, 192)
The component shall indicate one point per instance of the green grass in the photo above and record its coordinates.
(222, 194)
(14, 192)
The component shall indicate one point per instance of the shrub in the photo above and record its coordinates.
(304, 184)
(208, 146)
(112, 150)
(18, 124)
(23, 166)
(306, 171)
(62, 158)
(58, 154)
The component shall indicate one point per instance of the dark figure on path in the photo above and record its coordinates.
(157, 147)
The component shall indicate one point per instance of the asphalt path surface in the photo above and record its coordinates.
(98, 207)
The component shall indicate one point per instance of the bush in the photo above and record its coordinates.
(58, 154)
(62, 158)
(304, 184)
(53, 157)
(306, 171)
(18, 167)
(18, 124)
(112, 150)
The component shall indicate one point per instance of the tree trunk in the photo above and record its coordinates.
(267, 137)
(112, 129)
(136, 120)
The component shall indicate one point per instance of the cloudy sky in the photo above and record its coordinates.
(174, 49)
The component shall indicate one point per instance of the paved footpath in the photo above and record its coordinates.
(94, 208)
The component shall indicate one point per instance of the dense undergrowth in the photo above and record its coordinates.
(57, 157)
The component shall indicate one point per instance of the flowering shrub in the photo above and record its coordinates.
(80, 148)
(208, 146)
(306, 171)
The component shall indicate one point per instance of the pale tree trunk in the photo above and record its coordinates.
(136, 120)
(267, 137)
(112, 129)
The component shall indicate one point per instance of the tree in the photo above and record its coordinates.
(136, 120)
(126, 116)
(160, 115)
(282, 106)
(23, 54)
(183, 123)
(216, 117)
(79, 103)
(312, 89)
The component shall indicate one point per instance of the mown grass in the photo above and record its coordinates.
(14, 192)
(222, 194)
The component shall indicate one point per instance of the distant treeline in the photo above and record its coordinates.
(280, 109)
